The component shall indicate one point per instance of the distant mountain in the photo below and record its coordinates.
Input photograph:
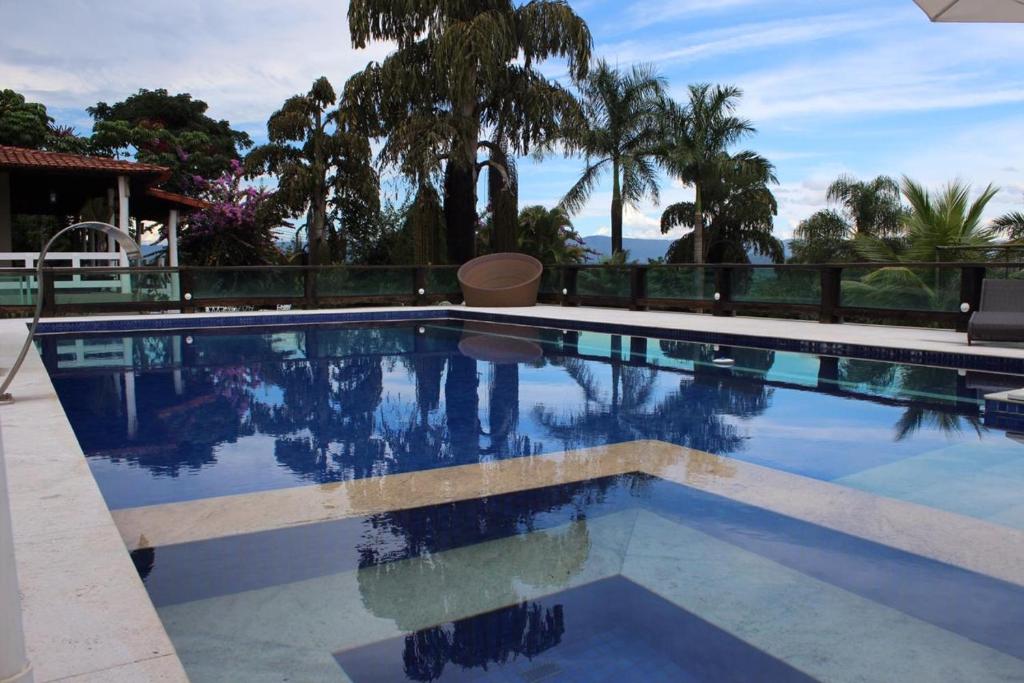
(639, 249)
(642, 250)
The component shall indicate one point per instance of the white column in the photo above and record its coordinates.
(123, 192)
(14, 664)
(6, 220)
(172, 251)
(172, 238)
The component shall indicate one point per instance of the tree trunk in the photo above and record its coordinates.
(425, 222)
(616, 210)
(698, 227)
(504, 200)
(460, 190)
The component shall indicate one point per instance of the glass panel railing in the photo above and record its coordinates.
(551, 280)
(680, 282)
(442, 280)
(776, 285)
(608, 281)
(901, 288)
(346, 281)
(248, 284)
(17, 289)
(103, 286)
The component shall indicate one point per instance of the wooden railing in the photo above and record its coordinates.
(927, 293)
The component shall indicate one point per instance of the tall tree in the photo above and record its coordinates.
(740, 211)
(696, 150)
(27, 124)
(548, 235)
(619, 131)
(460, 70)
(825, 237)
(323, 167)
(169, 130)
(872, 207)
(948, 219)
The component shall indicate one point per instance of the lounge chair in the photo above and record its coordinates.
(1000, 317)
(501, 280)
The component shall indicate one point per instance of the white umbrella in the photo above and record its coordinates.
(973, 10)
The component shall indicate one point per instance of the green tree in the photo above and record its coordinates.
(871, 207)
(696, 148)
(948, 219)
(619, 131)
(462, 70)
(548, 235)
(825, 237)
(1012, 225)
(168, 130)
(27, 124)
(323, 169)
(22, 123)
(739, 210)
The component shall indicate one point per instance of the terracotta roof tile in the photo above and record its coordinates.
(21, 157)
(175, 198)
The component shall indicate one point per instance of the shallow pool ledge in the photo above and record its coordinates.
(86, 613)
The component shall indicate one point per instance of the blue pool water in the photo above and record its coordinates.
(174, 417)
(634, 576)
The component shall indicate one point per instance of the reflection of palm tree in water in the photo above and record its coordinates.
(913, 383)
(693, 415)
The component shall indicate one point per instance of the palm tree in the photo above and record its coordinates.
(873, 207)
(740, 210)
(697, 139)
(932, 226)
(322, 167)
(463, 70)
(619, 132)
(1012, 224)
(548, 235)
(949, 219)
(824, 237)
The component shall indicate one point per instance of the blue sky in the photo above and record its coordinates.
(837, 86)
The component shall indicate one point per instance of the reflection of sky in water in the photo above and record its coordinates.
(254, 414)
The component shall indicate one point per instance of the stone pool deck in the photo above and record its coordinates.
(87, 615)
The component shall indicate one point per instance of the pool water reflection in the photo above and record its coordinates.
(174, 417)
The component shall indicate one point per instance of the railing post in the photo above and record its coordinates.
(419, 286)
(971, 278)
(637, 287)
(831, 279)
(309, 275)
(569, 274)
(47, 290)
(186, 284)
(723, 292)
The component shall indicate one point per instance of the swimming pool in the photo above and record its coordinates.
(458, 500)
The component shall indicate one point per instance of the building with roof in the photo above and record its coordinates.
(34, 182)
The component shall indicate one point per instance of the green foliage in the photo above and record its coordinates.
(825, 237)
(618, 132)
(1012, 225)
(949, 219)
(22, 124)
(461, 68)
(26, 124)
(872, 207)
(168, 130)
(548, 235)
(323, 168)
(739, 210)
(698, 136)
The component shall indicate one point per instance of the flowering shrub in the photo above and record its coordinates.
(238, 226)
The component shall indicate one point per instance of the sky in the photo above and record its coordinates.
(861, 87)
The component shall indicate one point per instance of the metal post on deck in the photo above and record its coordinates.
(14, 664)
